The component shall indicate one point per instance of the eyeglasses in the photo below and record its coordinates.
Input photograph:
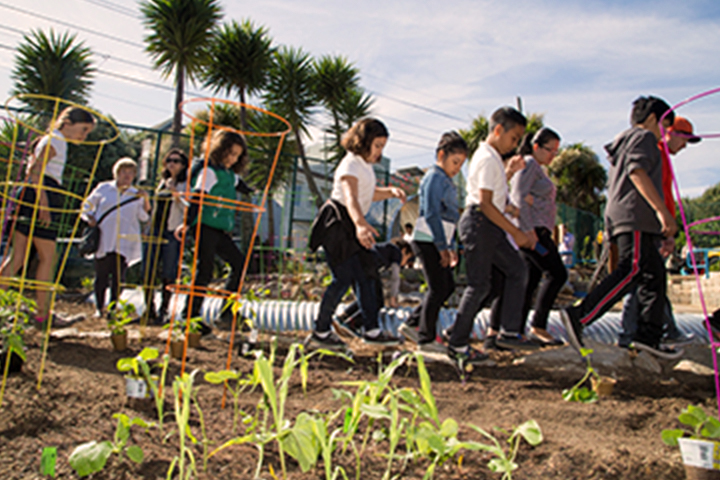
(549, 150)
(174, 160)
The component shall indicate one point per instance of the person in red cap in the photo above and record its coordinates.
(676, 137)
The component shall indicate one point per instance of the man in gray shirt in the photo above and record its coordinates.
(636, 219)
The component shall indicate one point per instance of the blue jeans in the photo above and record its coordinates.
(161, 260)
(349, 273)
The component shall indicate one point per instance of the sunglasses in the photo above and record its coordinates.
(174, 160)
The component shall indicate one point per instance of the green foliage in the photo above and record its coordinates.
(92, 456)
(504, 461)
(697, 425)
(54, 65)
(123, 312)
(477, 133)
(15, 313)
(579, 393)
(183, 393)
(140, 365)
(579, 178)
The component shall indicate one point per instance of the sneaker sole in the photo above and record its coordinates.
(434, 349)
(679, 343)
(659, 353)
(569, 330)
(513, 346)
(409, 333)
(381, 343)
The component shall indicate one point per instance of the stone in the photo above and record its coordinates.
(646, 361)
(694, 367)
(564, 359)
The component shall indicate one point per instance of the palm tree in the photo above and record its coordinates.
(53, 65)
(289, 93)
(579, 177)
(240, 57)
(334, 79)
(356, 104)
(478, 132)
(180, 33)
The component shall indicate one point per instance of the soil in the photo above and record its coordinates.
(615, 438)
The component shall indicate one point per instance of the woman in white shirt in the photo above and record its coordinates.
(120, 243)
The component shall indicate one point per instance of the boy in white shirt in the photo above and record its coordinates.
(484, 230)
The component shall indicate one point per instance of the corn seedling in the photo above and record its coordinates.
(182, 389)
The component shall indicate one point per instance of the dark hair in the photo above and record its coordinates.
(402, 245)
(644, 106)
(220, 144)
(508, 117)
(182, 175)
(73, 115)
(541, 138)
(451, 142)
(359, 138)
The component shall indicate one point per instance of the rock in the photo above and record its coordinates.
(694, 367)
(646, 361)
(608, 359)
(558, 359)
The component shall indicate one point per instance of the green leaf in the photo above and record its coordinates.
(530, 431)
(149, 353)
(127, 364)
(302, 444)
(90, 457)
(15, 345)
(586, 351)
(449, 428)
(375, 411)
(135, 453)
(502, 465)
(711, 429)
(670, 437)
(221, 376)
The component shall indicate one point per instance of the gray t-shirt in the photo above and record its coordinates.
(533, 181)
(626, 209)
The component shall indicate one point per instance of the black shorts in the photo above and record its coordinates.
(26, 205)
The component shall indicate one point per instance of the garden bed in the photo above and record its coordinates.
(615, 438)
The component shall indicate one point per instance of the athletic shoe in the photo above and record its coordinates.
(573, 328)
(679, 339)
(205, 329)
(515, 342)
(661, 351)
(469, 357)
(329, 342)
(432, 347)
(445, 335)
(409, 333)
(489, 343)
(347, 329)
(382, 339)
(555, 342)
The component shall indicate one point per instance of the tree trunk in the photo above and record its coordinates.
(271, 221)
(243, 110)
(177, 117)
(314, 190)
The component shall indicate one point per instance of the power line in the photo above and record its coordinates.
(67, 24)
(121, 9)
(420, 107)
(130, 102)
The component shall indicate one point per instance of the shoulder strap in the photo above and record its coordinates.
(117, 205)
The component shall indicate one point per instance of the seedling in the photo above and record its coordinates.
(700, 425)
(580, 393)
(183, 392)
(123, 314)
(92, 456)
(140, 366)
(505, 461)
(225, 377)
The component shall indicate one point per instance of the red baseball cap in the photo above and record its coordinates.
(683, 125)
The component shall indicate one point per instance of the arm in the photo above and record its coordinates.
(644, 185)
(430, 204)
(513, 165)
(365, 232)
(522, 239)
(383, 193)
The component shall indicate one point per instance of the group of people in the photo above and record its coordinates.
(506, 227)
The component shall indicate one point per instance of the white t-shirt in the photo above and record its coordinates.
(487, 172)
(355, 166)
(56, 164)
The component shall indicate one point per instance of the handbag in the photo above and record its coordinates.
(90, 239)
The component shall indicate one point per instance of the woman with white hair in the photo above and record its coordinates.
(120, 244)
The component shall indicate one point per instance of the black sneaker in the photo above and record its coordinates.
(489, 343)
(329, 342)
(205, 329)
(678, 339)
(469, 357)
(515, 342)
(382, 339)
(573, 328)
(659, 350)
(409, 332)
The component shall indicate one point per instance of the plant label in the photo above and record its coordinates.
(136, 387)
(700, 453)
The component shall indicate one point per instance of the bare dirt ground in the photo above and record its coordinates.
(615, 438)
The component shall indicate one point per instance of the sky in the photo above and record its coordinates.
(433, 66)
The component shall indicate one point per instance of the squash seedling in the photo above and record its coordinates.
(140, 367)
(579, 393)
(698, 426)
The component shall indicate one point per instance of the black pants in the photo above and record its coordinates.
(111, 265)
(639, 264)
(214, 242)
(551, 263)
(440, 284)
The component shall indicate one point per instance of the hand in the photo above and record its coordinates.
(393, 302)
(514, 164)
(667, 247)
(90, 220)
(453, 259)
(366, 235)
(146, 200)
(525, 239)
(529, 199)
(668, 224)
(445, 258)
(512, 210)
(44, 217)
(398, 192)
(179, 231)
